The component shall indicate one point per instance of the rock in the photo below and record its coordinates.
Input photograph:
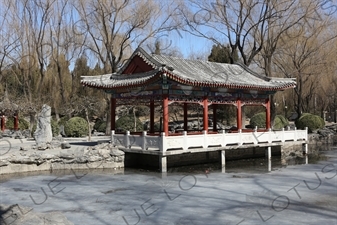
(117, 152)
(67, 155)
(65, 145)
(104, 152)
(42, 146)
(43, 133)
(26, 133)
(22, 160)
(45, 156)
(4, 163)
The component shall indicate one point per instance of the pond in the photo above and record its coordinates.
(301, 191)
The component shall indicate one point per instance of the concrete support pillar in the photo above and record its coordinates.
(163, 164)
(305, 148)
(268, 154)
(223, 158)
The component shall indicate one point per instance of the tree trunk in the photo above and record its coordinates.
(88, 121)
(108, 117)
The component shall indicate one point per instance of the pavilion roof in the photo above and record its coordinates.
(189, 72)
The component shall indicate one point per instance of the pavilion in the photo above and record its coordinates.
(158, 80)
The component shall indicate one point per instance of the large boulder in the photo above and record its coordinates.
(43, 134)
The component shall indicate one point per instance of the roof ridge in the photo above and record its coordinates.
(145, 56)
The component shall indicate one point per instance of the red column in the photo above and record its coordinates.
(16, 121)
(239, 114)
(215, 120)
(268, 113)
(205, 113)
(185, 116)
(113, 114)
(165, 115)
(3, 125)
(152, 116)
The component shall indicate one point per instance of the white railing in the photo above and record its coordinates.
(204, 140)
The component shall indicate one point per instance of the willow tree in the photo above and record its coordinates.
(114, 27)
(310, 59)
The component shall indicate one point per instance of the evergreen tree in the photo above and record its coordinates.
(222, 54)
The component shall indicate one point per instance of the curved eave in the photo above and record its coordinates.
(156, 76)
(120, 86)
(229, 85)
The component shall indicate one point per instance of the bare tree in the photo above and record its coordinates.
(114, 27)
(36, 17)
(8, 41)
(308, 58)
(247, 25)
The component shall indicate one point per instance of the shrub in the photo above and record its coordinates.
(76, 127)
(313, 122)
(23, 124)
(280, 122)
(55, 128)
(100, 126)
(63, 120)
(127, 123)
(258, 120)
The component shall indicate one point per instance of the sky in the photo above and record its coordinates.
(187, 43)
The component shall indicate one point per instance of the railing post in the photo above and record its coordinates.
(204, 133)
(113, 138)
(144, 147)
(306, 133)
(269, 136)
(283, 139)
(185, 141)
(240, 137)
(255, 136)
(224, 143)
(163, 147)
(295, 134)
(127, 139)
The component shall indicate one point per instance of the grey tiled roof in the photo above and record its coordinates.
(191, 72)
(118, 80)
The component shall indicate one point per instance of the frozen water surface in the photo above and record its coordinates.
(299, 194)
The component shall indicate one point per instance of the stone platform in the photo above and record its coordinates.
(22, 155)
